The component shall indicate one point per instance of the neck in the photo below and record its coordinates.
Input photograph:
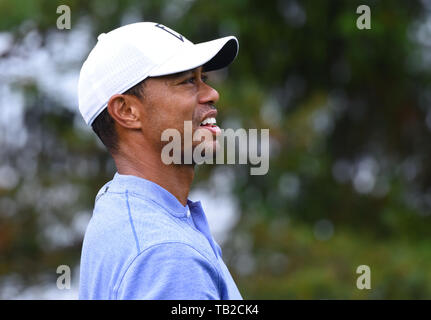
(176, 179)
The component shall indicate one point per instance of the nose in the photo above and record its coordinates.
(208, 95)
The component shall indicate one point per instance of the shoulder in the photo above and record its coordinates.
(127, 223)
(155, 224)
(170, 270)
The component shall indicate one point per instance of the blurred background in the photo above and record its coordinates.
(349, 113)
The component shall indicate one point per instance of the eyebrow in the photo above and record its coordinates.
(183, 74)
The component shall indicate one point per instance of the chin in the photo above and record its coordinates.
(209, 150)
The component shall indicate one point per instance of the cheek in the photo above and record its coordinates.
(184, 109)
(166, 117)
(169, 109)
(178, 111)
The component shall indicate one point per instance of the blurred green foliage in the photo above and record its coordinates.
(349, 118)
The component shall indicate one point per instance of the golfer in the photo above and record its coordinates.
(146, 239)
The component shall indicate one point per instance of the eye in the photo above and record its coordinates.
(190, 80)
(193, 79)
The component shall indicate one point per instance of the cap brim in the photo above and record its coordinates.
(211, 55)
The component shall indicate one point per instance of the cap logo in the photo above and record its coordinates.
(178, 36)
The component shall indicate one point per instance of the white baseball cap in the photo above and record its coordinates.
(127, 55)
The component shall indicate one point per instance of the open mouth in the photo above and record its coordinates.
(211, 124)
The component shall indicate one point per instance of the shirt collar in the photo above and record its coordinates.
(154, 192)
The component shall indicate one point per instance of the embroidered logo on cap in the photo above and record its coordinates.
(176, 35)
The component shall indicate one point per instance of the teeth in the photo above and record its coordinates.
(208, 121)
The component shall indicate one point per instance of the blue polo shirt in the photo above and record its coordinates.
(142, 243)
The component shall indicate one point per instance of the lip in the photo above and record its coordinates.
(209, 114)
(215, 130)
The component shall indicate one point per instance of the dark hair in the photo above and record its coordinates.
(104, 124)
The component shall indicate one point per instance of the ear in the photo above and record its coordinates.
(125, 111)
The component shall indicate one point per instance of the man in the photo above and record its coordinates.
(146, 239)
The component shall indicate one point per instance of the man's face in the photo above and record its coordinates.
(170, 100)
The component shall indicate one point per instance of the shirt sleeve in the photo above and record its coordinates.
(170, 271)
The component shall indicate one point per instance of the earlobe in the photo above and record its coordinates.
(124, 110)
